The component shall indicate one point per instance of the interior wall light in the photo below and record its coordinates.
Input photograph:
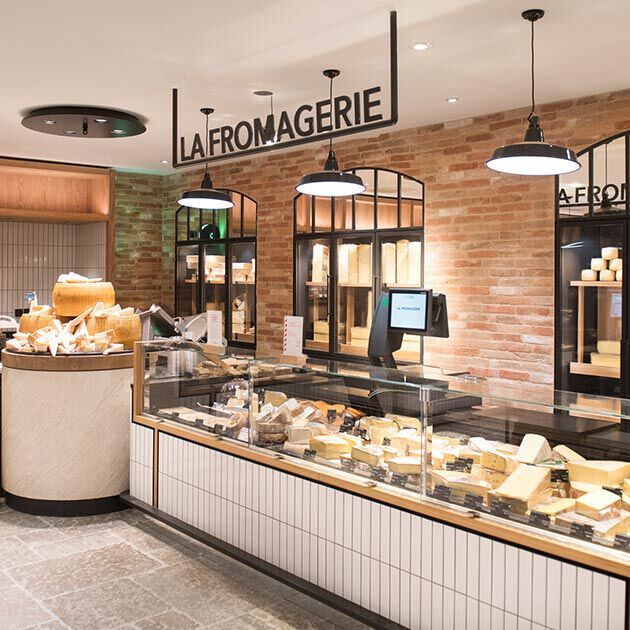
(205, 197)
(533, 156)
(331, 182)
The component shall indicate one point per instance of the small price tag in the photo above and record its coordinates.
(460, 465)
(363, 434)
(219, 429)
(559, 475)
(309, 454)
(583, 531)
(331, 415)
(617, 491)
(347, 424)
(199, 423)
(622, 541)
(500, 508)
(348, 465)
(175, 414)
(229, 432)
(441, 492)
(399, 480)
(378, 474)
(387, 441)
(539, 519)
(473, 501)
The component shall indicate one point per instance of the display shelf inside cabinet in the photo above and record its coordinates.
(347, 251)
(216, 265)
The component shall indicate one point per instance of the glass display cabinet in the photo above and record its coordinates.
(347, 250)
(216, 266)
(591, 295)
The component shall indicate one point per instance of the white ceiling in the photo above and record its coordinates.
(129, 54)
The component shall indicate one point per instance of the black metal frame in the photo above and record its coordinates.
(389, 122)
(600, 220)
(227, 242)
(332, 235)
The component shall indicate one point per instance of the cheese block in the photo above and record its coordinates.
(597, 264)
(534, 448)
(348, 263)
(415, 264)
(30, 322)
(300, 435)
(437, 460)
(359, 332)
(501, 462)
(567, 454)
(329, 446)
(481, 444)
(610, 360)
(588, 275)
(377, 434)
(368, 454)
(616, 264)
(606, 275)
(353, 440)
(320, 326)
(468, 453)
(389, 452)
(607, 528)
(608, 253)
(626, 486)
(494, 478)
(507, 449)
(405, 465)
(405, 422)
(320, 263)
(525, 486)
(619, 275)
(558, 506)
(275, 398)
(400, 440)
(365, 264)
(402, 261)
(317, 428)
(598, 504)
(461, 483)
(601, 473)
(388, 263)
(579, 488)
(72, 298)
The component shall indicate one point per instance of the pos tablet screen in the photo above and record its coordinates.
(410, 310)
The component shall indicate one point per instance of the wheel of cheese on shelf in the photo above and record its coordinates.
(606, 275)
(619, 275)
(127, 327)
(597, 264)
(30, 322)
(72, 298)
(616, 264)
(588, 275)
(609, 253)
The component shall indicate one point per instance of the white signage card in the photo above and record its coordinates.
(215, 328)
(293, 327)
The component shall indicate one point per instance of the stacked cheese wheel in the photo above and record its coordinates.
(608, 268)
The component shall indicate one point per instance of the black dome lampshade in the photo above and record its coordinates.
(533, 156)
(331, 182)
(206, 197)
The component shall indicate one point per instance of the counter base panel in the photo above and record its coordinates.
(408, 569)
(83, 507)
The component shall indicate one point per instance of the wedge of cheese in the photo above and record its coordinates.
(405, 422)
(607, 528)
(501, 462)
(377, 434)
(368, 454)
(534, 449)
(401, 442)
(389, 452)
(579, 488)
(601, 473)
(352, 440)
(567, 454)
(524, 487)
(329, 446)
(481, 444)
(461, 483)
(300, 435)
(494, 478)
(558, 506)
(405, 465)
(598, 505)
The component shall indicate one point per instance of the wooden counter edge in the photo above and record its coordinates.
(66, 362)
(559, 549)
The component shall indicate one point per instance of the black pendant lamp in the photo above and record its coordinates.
(206, 197)
(606, 202)
(533, 156)
(331, 182)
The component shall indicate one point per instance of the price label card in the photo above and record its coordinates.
(399, 480)
(387, 441)
(218, 429)
(309, 454)
(500, 508)
(473, 501)
(214, 320)
(622, 541)
(539, 519)
(378, 474)
(293, 335)
(583, 531)
(441, 492)
(560, 476)
(348, 465)
(617, 491)
(460, 464)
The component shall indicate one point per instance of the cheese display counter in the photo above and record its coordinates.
(406, 496)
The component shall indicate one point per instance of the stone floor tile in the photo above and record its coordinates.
(48, 578)
(173, 554)
(15, 553)
(45, 535)
(105, 605)
(19, 610)
(70, 545)
(49, 625)
(13, 523)
(170, 620)
(315, 607)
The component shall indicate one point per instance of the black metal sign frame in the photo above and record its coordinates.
(264, 148)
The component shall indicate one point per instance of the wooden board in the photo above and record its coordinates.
(588, 369)
(596, 283)
(67, 362)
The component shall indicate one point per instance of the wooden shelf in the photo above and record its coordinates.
(348, 348)
(316, 284)
(596, 283)
(351, 285)
(49, 216)
(588, 369)
(396, 285)
(247, 283)
(317, 345)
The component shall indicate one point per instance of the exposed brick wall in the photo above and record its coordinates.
(489, 237)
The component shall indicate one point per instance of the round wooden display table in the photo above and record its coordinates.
(65, 432)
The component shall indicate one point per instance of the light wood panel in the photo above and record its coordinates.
(67, 362)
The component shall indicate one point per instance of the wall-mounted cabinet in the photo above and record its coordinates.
(215, 267)
(347, 250)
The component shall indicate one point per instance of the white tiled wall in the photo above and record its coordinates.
(141, 463)
(32, 255)
(411, 570)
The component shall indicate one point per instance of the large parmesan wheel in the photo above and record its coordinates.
(72, 298)
(127, 328)
(30, 322)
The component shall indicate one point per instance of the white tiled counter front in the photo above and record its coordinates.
(409, 569)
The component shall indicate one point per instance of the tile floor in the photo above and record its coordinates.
(126, 570)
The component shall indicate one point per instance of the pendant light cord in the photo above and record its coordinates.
(207, 134)
(330, 140)
(533, 75)
(606, 164)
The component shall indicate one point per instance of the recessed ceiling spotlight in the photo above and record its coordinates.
(421, 46)
(100, 121)
(452, 99)
(70, 132)
(49, 122)
(118, 132)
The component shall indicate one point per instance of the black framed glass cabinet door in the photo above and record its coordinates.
(592, 231)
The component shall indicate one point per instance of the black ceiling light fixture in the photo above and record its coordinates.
(205, 197)
(533, 156)
(331, 182)
(83, 122)
(606, 202)
(274, 137)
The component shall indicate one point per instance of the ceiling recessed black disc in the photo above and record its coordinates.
(74, 121)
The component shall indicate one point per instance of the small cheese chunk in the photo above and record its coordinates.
(480, 444)
(588, 275)
(368, 454)
(405, 422)
(501, 462)
(598, 504)
(461, 483)
(601, 473)
(597, 264)
(400, 440)
(619, 275)
(606, 275)
(494, 478)
(616, 264)
(533, 449)
(329, 446)
(558, 506)
(300, 435)
(608, 253)
(567, 454)
(405, 465)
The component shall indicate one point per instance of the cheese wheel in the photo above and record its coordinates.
(608, 253)
(616, 264)
(72, 298)
(597, 264)
(619, 275)
(588, 275)
(30, 322)
(606, 275)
